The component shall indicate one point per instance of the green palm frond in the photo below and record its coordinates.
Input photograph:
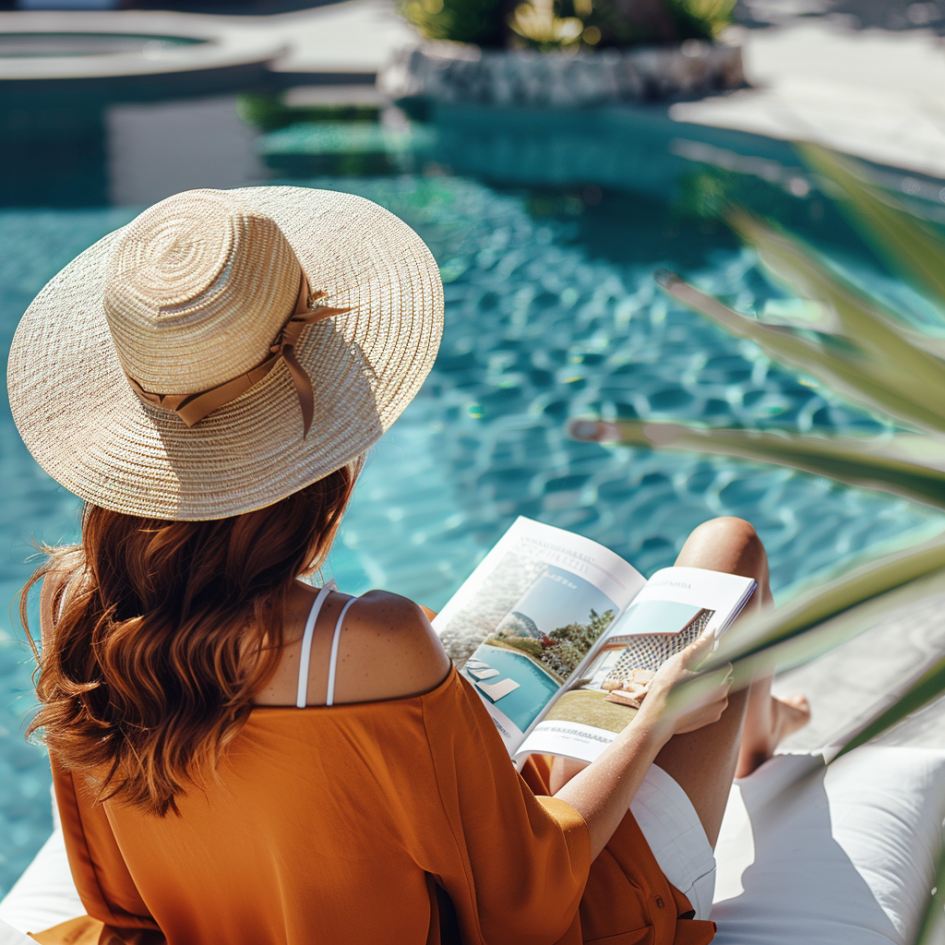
(806, 628)
(930, 928)
(842, 365)
(896, 234)
(906, 465)
(863, 322)
(834, 610)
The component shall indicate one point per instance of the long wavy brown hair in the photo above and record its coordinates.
(157, 635)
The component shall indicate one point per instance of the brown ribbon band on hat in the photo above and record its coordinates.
(192, 408)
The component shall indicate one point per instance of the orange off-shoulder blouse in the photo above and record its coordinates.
(392, 823)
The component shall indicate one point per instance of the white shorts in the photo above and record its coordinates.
(677, 838)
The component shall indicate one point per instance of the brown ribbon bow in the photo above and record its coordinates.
(192, 408)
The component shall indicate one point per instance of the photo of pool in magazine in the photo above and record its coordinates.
(560, 636)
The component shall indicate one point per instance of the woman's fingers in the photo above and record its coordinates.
(703, 701)
(699, 649)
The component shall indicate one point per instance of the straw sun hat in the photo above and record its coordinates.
(225, 349)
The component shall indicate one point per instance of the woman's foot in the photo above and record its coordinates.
(785, 717)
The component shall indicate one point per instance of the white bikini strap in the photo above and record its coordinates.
(302, 699)
(333, 662)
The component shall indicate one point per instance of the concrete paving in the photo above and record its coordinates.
(874, 94)
(357, 37)
(219, 46)
(852, 14)
(853, 683)
(349, 41)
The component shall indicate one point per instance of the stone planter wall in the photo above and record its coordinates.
(467, 75)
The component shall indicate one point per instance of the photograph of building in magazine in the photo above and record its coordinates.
(617, 677)
(559, 636)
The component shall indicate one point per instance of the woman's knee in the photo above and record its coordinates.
(725, 544)
(729, 530)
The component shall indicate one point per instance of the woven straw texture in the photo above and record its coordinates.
(83, 423)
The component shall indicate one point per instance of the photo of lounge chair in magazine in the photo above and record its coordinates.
(560, 636)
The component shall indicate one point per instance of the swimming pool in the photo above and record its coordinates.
(535, 687)
(551, 312)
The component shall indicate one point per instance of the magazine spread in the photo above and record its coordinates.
(559, 635)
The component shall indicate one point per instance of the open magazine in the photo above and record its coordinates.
(559, 635)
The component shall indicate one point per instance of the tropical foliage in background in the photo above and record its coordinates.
(873, 356)
(568, 24)
(563, 648)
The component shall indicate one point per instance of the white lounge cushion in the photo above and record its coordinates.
(847, 857)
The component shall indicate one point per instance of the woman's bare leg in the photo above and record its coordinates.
(704, 762)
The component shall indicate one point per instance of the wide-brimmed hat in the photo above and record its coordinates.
(225, 349)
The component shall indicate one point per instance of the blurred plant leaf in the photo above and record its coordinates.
(848, 371)
(930, 927)
(799, 632)
(808, 314)
(816, 623)
(863, 350)
(711, 15)
(905, 464)
(837, 611)
(538, 26)
(866, 324)
(894, 232)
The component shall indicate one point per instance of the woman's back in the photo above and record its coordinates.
(341, 823)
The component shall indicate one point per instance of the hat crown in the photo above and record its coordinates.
(196, 289)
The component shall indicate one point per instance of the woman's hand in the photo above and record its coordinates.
(602, 792)
(669, 715)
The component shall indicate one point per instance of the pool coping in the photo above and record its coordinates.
(222, 47)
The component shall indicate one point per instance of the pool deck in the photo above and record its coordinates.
(860, 678)
(872, 93)
(341, 42)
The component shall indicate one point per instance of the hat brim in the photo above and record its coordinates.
(84, 425)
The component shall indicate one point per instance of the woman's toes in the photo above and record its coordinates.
(788, 715)
(792, 714)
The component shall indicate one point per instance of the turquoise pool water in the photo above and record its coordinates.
(549, 315)
(535, 687)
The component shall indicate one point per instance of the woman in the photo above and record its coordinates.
(239, 757)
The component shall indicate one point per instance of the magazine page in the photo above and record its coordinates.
(529, 614)
(675, 607)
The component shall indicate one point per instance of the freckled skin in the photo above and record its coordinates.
(387, 650)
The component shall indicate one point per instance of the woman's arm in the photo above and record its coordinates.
(602, 791)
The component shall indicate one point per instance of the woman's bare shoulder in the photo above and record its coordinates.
(388, 650)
